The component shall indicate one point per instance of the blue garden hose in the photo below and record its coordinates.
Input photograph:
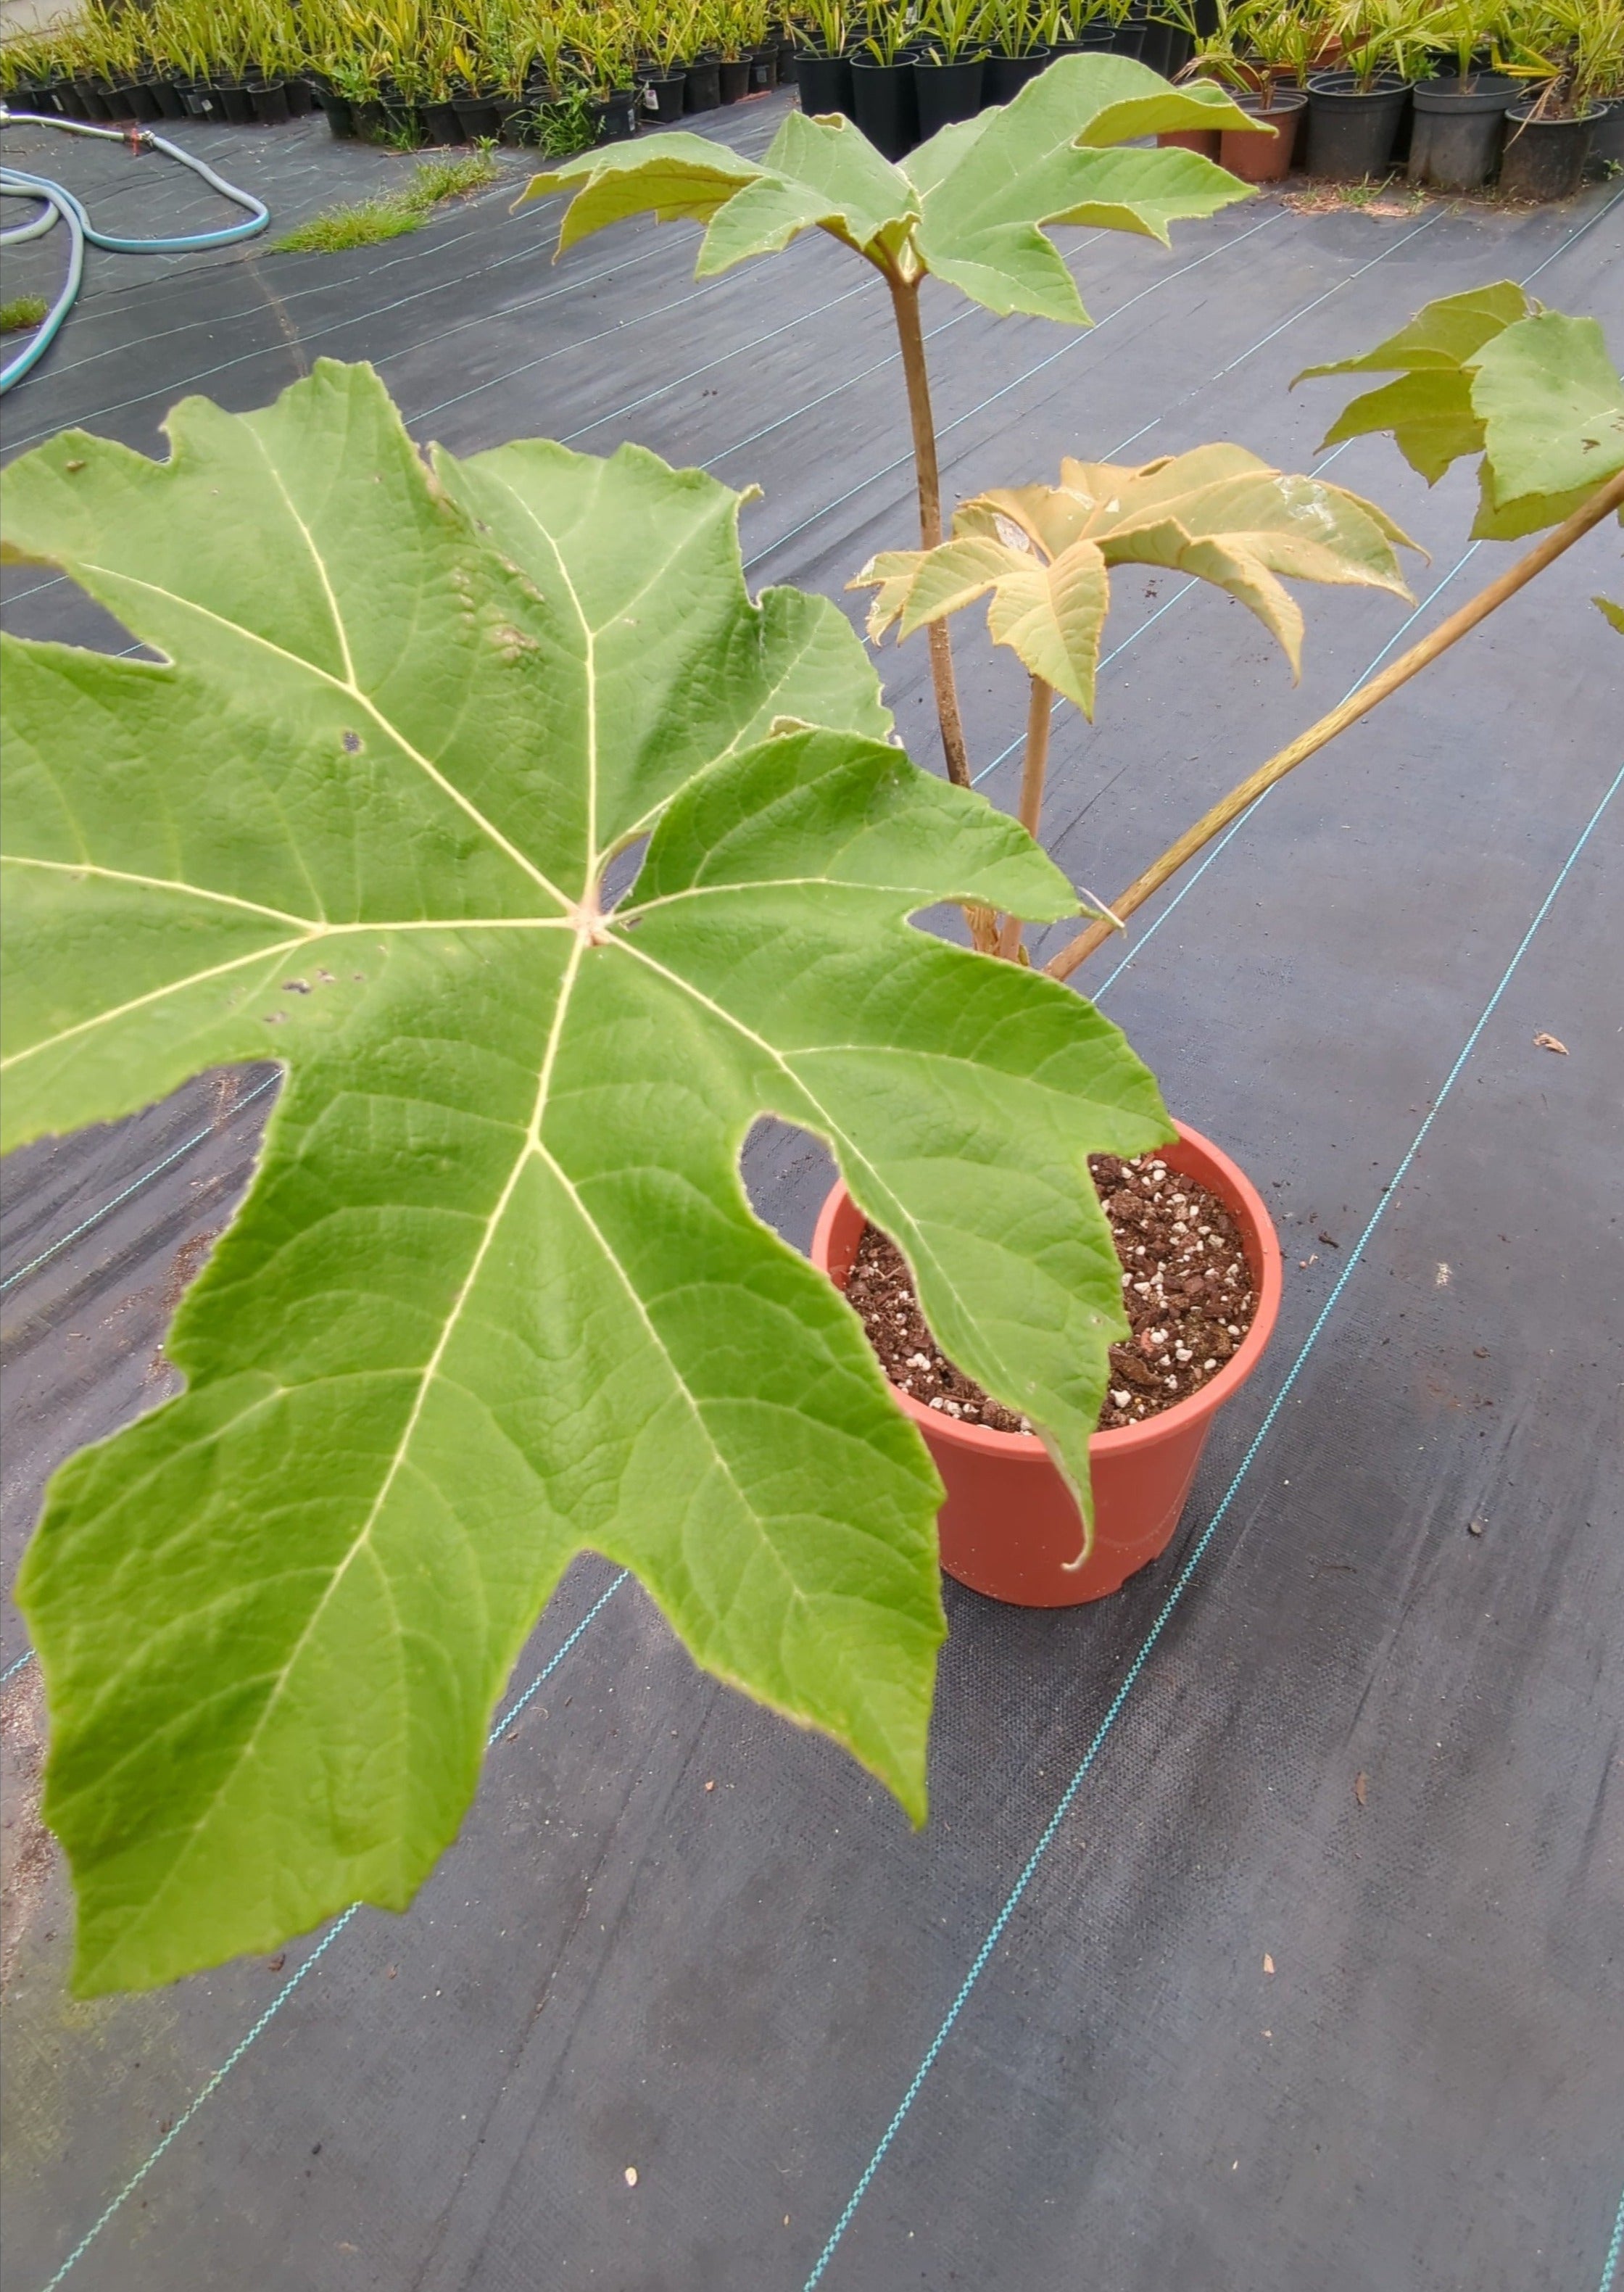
(55, 200)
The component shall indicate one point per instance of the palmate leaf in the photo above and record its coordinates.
(1045, 554)
(496, 1294)
(1489, 372)
(971, 204)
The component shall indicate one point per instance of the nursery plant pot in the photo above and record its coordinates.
(1545, 158)
(943, 92)
(114, 104)
(443, 122)
(733, 79)
(140, 101)
(824, 84)
(237, 104)
(1009, 1524)
(702, 86)
(1352, 131)
(662, 98)
(1607, 136)
(301, 97)
(1203, 140)
(476, 116)
(1128, 37)
(1097, 38)
(269, 103)
(200, 100)
(1003, 78)
(884, 106)
(1260, 157)
(1455, 137)
(340, 114)
(615, 114)
(764, 69)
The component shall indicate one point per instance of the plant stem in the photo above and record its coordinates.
(1560, 537)
(1033, 772)
(905, 304)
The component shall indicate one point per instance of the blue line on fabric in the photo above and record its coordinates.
(16, 1664)
(1051, 1828)
(1615, 2253)
(208, 1130)
(212, 2085)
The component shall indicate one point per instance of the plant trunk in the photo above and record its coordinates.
(1032, 772)
(1359, 704)
(905, 304)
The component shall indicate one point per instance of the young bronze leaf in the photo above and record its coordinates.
(496, 1295)
(1217, 512)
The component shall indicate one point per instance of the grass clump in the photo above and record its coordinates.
(367, 221)
(24, 310)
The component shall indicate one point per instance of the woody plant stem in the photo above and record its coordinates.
(905, 304)
(1560, 537)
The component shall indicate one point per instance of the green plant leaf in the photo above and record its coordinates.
(1551, 407)
(1610, 613)
(1443, 337)
(1489, 372)
(1044, 160)
(972, 203)
(1045, 553)
(496, 1295)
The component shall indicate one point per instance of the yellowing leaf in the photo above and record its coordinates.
(1217, 512)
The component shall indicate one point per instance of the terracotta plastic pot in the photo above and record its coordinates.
(1264, 156)
(1010, 1526)
(1205, 141)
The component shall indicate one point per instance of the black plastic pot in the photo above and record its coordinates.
(200, 100)
(733, 79)
(1003, 78)
(1607, 136)
(171, 104)
(301, 97)
(270, 102)
(1455, 138)
(1352, 131)
(442, 123)
(615, 114)
(943, 92)
(113, 98)
(884, 106)
(341, 117)
(235, 103)
(89, 98)
(476, 116)
(764, 69)
(139, 101)
(1096, 39)
(662, 98)
(788, 64)
(825, 83)
(1545, 158)
(703, 89)
(1128, 37)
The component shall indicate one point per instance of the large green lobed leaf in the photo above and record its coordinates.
(496, 1295)
(1490, 372)
(974, 204)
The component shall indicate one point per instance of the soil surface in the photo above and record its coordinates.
(1186, 1289)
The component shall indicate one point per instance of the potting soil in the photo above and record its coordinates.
(1266, 1929)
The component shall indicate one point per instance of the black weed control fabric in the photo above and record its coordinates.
(1266, 1931)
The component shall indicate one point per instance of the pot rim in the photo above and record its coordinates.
(1025, 1447)
(1522, 114)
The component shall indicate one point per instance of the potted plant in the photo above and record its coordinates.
(1274, 45)
(1460, 112)
(666, 35)
(1016, 51)
(1355, 112)
(1084, 28)
(948, 66)
(884, 103)
(1549, 134)
(823, 65)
